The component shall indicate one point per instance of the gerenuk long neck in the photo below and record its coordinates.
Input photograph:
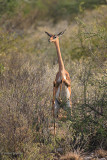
(60, 61)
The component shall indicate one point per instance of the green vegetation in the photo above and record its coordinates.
(46, 9)
(28, 65)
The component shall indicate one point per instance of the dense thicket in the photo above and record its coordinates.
(28, 65)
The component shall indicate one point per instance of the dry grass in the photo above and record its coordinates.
(71, 156)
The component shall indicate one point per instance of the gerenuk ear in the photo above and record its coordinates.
(50, 35)
(61, 33)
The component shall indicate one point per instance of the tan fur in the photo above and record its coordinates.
(62, 72)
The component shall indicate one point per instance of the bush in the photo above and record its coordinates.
(26, 76)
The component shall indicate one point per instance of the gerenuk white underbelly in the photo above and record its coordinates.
(63, 92)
